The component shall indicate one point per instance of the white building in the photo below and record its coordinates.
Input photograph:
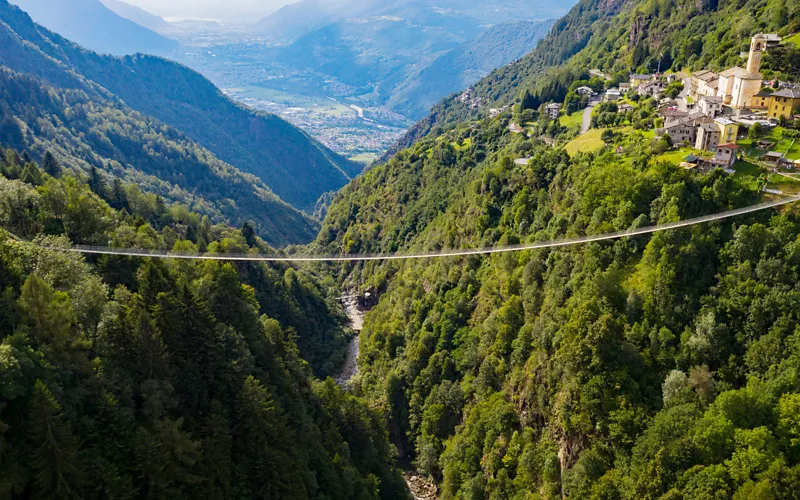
(613, 95)
(737, 86)
(711, 106)
(553, 110)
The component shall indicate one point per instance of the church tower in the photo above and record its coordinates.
(757, 47)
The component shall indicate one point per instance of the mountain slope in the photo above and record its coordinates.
(134, 378)
(465, 65)
(606, 370)
(140, 16)
(93, 25)
(663, 366)
(298, 19)
(296, 167)
(292, 21)
(47, 107)
(407, 54)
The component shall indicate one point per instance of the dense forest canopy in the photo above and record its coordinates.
(663, 366)
(136, 378)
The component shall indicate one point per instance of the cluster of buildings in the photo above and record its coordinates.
(644, 85)
(469, 98)
(703, 128)
(713, 98)
(742, 88)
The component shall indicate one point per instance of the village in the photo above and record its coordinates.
(701, 120)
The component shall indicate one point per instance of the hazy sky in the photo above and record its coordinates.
(215, 9)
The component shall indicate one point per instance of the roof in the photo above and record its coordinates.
(729, 146)
(774, 154)
(763, 93)
(711, 98)
(685, 122)
(705, 75)
(710, 127)
(742, 73)
(724, 121)
(790, 93)
(636, 76)
(553, 105)
(771, 37)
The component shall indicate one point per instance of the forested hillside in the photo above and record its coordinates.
(650, 367)
(295, 166)
(619, 37)
(137, 378)
(46, 106)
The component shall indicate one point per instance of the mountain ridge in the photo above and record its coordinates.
(95, 26)
(295, 166)
(48, 106)
(140, 16)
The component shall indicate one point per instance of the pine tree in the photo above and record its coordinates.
(528, 100)
(119, 200)
(50, 165)
(54, 451)
(96, 183)
(249, 233)
(31, 174)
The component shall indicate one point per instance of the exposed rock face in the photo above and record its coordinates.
(638, 30)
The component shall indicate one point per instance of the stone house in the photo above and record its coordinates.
(553, 110)
(708, 135)
(727, 153)
(711, 106)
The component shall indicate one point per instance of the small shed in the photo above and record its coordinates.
(772, 157)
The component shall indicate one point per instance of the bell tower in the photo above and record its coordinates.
(757, 47)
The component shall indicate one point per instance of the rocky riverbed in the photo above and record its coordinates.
(356, 315)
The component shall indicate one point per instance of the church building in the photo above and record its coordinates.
(739, 86)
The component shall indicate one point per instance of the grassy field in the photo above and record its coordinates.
(649, 134)
(590, 141)
(316, 104)
(573, 120)
(467, 143)
(795, 39)
(678, 155)
(782, 180)
(791, 147)
(786, 184)
(748, 173)
(365, 158)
